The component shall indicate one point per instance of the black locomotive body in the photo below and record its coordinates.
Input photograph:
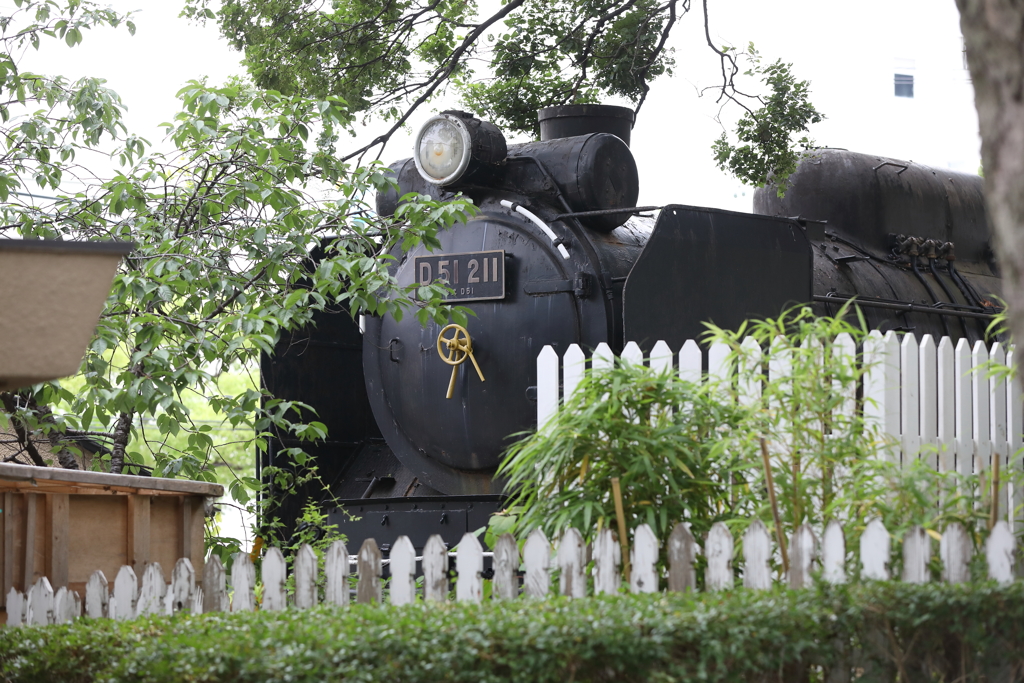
(558, 255)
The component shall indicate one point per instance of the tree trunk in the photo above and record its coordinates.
(994, 37)
(122, 430)
(10, 404)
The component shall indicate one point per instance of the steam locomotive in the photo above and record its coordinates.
(559, 254)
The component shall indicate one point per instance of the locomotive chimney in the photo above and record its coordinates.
(582, 119)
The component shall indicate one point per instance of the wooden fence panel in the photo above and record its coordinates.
(305, 571)
(955, 552)
(403, 572)
(243, 583)
(962, 365)
(275, 574)
(537, 558)
(183, 585)
(845, 351)
(928, 398)
(506, 562)
(917, 552)
(945, 387)
(574, 365)
(1000, 548)
(802, 551)
(547, 386)
(661, 358)
(572, 563)
(980, 396)
(643, 576)
(719, 550)
(757, 552)
(39, 605)
(749, 386)
(875, 545)
(126, 593)
(833, 553)
(368, 568)
(469, 560)
(603, 358)
(337, 569)
(215, 594)
(720, 369)
(682, 552)
(15, 607)
(97, 596)
(153, 593)
(435, 570)
(632, 354)
(607, 563)
(690, 362)
(910, 399)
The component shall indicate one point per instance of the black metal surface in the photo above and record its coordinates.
(454, 445)
(582, 119)
(716, 266)
(385, 519)
(866, 201)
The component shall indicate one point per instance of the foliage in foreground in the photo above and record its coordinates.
(884, 631)
(702, 461)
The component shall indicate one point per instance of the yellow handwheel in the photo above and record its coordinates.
(454, 349)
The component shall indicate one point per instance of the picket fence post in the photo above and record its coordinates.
(955, 552)
(183, 585)
(368, 568)
(275, 574)
(469, 560)
(757, 551)
(435, 570)
(403, 572)
(875, 546)
(833, 553)
(607, 563)
(305, 570)
(336, 567)
(537, 558)
(243, 583)
(506, 562)
(572, 562)
(917, 551)
(719, 550)
(126, 593)
(215, 594)
(97, 596)
(643, 577)
(682, 552)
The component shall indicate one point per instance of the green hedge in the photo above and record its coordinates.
(877, 630)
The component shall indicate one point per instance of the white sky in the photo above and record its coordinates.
(846, 50)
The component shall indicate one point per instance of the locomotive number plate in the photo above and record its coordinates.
(474, 275)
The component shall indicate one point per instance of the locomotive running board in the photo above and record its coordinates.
(708, 265)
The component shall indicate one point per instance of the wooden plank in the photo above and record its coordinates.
(537, 560)
(874, 551)
(690, 362)
(336, 568)
(607, 563)
(138, 532)
(469, 560)
(643, 560)
(60, 606)
(103, 481)
(572, 563)
(749, 372)
(165, 532)
(955, 552)
(15, 608)
(506, 562)
(97, 596)
(186, 528)
(928, 398)
(719, 550)
(10, 531)
(1000, 547)
(126, 594)
(780, 369)
(243, 583)
(1015, 437)
(997, 428)
(435, 570)
(97, 538)
(910, 399)
(574, 366)
(946, 409)
(844, 355)
(305, 569)
(603, 358)
(215, 594)
(891, 365)
(802, 551)
(981, 423)
(720, 368)
(682, 552)
(29, 572)
(39, 605)
(547, 386)
(661, 358)
(917, 552)
(368, 567)
(275, 574)
(874, 380)
(757, 551)
(57, 539)
(183, 585)
(632, 354)
(153, 592)
(403, 572)
(962, 366)
(833, 553)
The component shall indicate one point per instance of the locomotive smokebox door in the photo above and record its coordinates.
(717, 266)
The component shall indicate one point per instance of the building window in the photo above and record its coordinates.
(904, 85)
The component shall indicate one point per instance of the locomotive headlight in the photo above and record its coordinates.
(452, 145)
(443, 149)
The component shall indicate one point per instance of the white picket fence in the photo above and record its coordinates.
(925, 396)
(529, 575)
